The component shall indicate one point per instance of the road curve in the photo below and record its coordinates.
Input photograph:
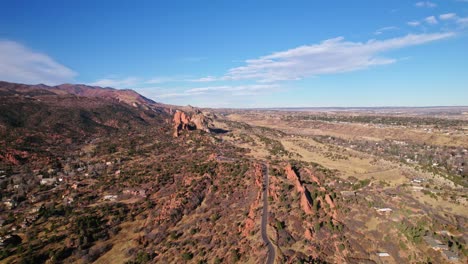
(266, 239)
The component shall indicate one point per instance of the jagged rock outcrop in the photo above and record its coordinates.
(200, 121)
(306, 200)
(258, 175)
(184, 121)
(329, 201)
(328, 198)
(250, 221)
(308, 234)
(274, 188)
(181, 122)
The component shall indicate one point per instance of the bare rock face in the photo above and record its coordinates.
(274, 188)
(250, 221)
(308, 234)
(195, 120)
(306, 200)
(329, 201)
(181, 122)
(258, 175)
(200, 121)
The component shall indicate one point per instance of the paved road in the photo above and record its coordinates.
(266, 239)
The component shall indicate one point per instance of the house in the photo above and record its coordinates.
(110, 197)
(383, 254)
(417, 181)
(384, 210)
(10, 204)
(48, 181)
(348, 194)
(135, 192)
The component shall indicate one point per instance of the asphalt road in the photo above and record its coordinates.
(266, 239)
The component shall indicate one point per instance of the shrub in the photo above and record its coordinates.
(187, 255)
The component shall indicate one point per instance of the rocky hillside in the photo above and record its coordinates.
(93, 174)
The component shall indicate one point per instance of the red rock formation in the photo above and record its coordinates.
(308, 234)
(181, 122)
(258, 175)
(306, 201)
(329, 200)
(313, 177)
(306, 204)
(292, 176)
(200, 121)
(250, 221)
(274, 188)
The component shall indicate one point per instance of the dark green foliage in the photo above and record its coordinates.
(279, 225)
(187, 255)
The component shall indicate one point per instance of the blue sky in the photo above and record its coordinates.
(245, 53)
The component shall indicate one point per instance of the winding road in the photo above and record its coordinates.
(266, 239)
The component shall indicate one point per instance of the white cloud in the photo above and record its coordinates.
(328, 57)
(431, 20)
(425, 4)
(448, 16)
(116, 83)
(232, 90)
(205, 79)
(414, 23)
(20, 64)
(384, 29)
(462, 21)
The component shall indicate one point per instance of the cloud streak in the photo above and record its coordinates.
(233, 90)
(21, 64)
(328, 57)
(116, 83)
(432, 20)
(448, 16)
(425, 4)
(384, 29)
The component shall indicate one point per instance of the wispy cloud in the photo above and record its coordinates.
(448, 16)
(432, 20)
(116, 83)
(206, 79)
(328, 57)
(414, 23)
(384, 29)
(425, 4)
(462, 22)
(452, 17)
(21, 64)
(232, 90)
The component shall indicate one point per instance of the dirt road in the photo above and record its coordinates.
(266, 239)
